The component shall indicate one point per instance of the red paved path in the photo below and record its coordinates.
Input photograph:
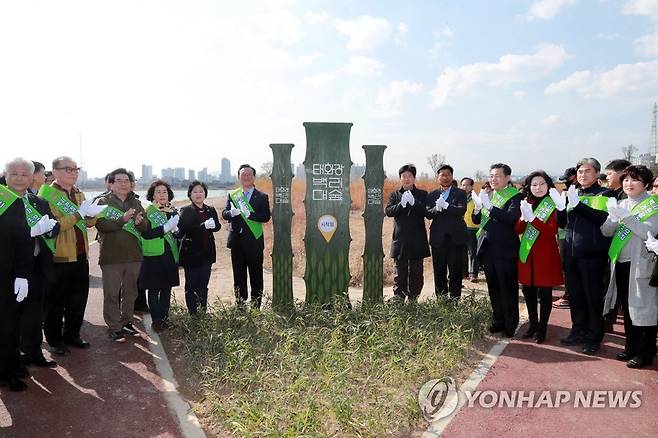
(527, 366)
(110, 390)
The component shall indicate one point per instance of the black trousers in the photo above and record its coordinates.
(502, 281)
(196, 286)
(545, 294)
(247, 259)
(32, 316)
(448, 264)
(9, 330)
(408, 279)
(67, 300)
(586, 280)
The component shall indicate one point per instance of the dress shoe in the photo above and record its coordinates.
(529, 333)
(591, 348)
(540, 338)
(77, 343)
(16, 384)
(42, 362)
(493, 328)
(508, 333)
(638, 362)
(21, 372)
(623, 356)
(59, 349)
(572, 340)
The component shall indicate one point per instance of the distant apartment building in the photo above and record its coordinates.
(225, 172)
(191, 174)
(147, 173)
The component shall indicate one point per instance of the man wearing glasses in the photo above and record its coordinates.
(70, 288)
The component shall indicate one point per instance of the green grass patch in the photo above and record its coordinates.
(312, 372)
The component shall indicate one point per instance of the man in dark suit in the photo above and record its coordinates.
(498, 246)
(247, 209)
(15, 270)
(409, 246)
(446, 207)
(43, 230)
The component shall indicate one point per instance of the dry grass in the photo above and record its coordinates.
(357, 227)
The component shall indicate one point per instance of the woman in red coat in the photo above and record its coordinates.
(539, 259)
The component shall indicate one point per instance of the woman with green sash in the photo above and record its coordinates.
(159, 273)
(540, 267)
(629, 223)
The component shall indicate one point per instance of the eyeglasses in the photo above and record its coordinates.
(68, 169)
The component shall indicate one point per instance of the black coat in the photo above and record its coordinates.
(192, 232)
(158, 272)
(583, 226)
(44, 260)
(498, 236)
(17, 248)
(449, 222)
(409, 233)
(239, 230)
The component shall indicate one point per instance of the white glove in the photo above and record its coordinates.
(611, 206)
(410, 198)
(619, 213)
(441, 204)
(234, 212)
(404, 200)
(171, 224)
(44, 225)
(245, 211)
(477, 201)
(572, 195)
(558, 199)
(20, 289)
(209, 224)
(651, 243)
(526, 211)
(486, 202)
(91, 209)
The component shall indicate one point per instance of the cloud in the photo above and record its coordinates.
(365, 32)
(363, 66)
(647, 45)
(509, 69)
(320, 80)
(440, 38)
(547, 9)
(648, 8)
(389, 98)
(400, 37)
(552, 120)
(607, 36)
(623, 80)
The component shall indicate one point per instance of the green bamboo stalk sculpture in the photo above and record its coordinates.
(282, 296)
(327, 204)
(373, 216)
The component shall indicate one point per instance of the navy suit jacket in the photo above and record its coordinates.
(498, 236)
(448, 222)
(239, 230)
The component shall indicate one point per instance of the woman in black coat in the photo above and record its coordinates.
(159, 273)
(197, 224)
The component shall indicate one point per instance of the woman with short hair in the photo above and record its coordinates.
(630, 222)
(198, 222)
(159, 273)
(540, 268)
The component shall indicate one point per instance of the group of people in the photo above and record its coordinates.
(599, 242)
(44, 274)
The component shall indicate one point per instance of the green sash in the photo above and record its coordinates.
(499, 199)
(33, 216)
(530, 235)
(240, 200)
(598, 202)
(62, 203)
(643, 211)
(114, 214)
(155, 247)
(7, 197)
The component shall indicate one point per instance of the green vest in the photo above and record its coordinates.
(643, 211)
(499, 199)
(240, 200)
(155, 247)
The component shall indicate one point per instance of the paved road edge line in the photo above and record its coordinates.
(187, 420)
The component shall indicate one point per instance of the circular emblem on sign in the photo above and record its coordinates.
(327, 225)
(438, 398)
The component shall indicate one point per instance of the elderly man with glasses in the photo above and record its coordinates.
(69, 290)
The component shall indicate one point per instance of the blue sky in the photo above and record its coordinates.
(536, 84)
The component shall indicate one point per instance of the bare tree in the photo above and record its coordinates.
(480, 175)
(629, 152)
(435, 161)
(266, 169)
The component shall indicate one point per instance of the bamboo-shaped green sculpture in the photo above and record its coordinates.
(282, 213)
(373, 216)
(327, 204)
